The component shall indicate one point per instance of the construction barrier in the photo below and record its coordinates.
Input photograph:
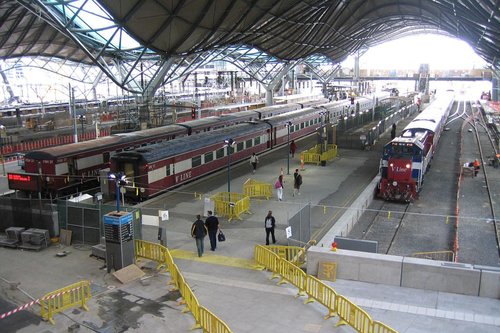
(315, 155)
(211, 323)
(295, 254)
(353, 315)
(445, 255)
(255, 189)
(292, 274)
(378, 327)
(322, 293)
(231, 205)
(76, 294)
(316, 290)
(155, 252)
(204, 319)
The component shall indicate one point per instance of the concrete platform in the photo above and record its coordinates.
(225, 281)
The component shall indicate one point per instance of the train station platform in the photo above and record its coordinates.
(225, 281)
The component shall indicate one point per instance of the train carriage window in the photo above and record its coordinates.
(167, 170)
(257, 140)
(240, 146)
(302, 125)
(219, 153)
(292, 129)
(196, 161)
(209, 157)
(249, 143)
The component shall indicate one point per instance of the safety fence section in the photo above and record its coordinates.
(256, 189)
(348, 312)
(231, 205)
(60, 300)
(319, 154)
(445, 255)
(204, 319)
(295, 254)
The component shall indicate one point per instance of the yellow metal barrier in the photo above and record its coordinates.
(294, 254)
(190, 300)
(378, 327)
(231, 205)
(76, 294)
(151, 251)
(353, 315)
(436, 255)
(266, 259)
(255, 189)
(203, 318)
(315, 156)
(211, 323)
(349, 313)
(292, 274)
(322, 293)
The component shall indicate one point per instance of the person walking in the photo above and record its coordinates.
(476, 166)
(393, 131)
(253, 161)
(212, 224)
(293, 148)
(297, 181)
(279, 187)
(198, 232)
(270, 223)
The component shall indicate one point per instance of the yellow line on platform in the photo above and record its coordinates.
(211, 258)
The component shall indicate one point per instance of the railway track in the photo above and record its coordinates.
(486, 146)
(388, 221)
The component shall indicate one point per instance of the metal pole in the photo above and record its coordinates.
(229, 172)
(288, 152)
(117, 189)
(1, 151)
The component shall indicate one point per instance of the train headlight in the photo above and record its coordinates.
(394, 183)
(408, 165)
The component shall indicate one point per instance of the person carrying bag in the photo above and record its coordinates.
(221, 237)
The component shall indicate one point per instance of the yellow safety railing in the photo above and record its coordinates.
(324, 294)
(353, 315)
(293, 274)
(255, 189)
(294, 254)
(204, 319)
(211, 323)
(445, 255)
(348, 312)
(318, 154)
(153, 252)
(76, 294)
(378, 327)
(231, 205)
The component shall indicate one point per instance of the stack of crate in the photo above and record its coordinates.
(13, 237)
(35, 239)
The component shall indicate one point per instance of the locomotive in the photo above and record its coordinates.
(406, 158)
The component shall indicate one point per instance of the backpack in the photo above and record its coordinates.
(277, 184)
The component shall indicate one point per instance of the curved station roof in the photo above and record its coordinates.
(107, 32)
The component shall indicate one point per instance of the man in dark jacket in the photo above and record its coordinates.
(212, 224)
(199, 231)
(270, 223)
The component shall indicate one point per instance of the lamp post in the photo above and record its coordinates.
(120, 179)
(82, 120)
(229, 142)
(288, 124)
(2, 135)
(322, 132)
